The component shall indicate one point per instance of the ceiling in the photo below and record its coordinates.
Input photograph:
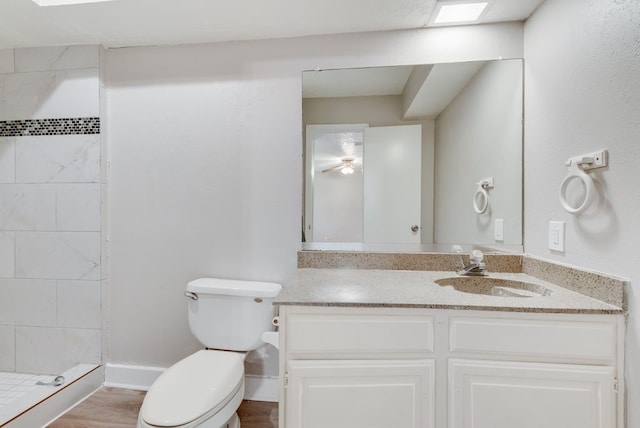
(119, 23)
(426, 90)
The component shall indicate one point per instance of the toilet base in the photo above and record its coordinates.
(234, 422)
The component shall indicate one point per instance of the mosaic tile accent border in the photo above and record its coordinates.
(63, 126)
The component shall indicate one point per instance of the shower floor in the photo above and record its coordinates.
(16, 385)
(19, 392)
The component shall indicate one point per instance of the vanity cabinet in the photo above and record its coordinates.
(530, 395)
(369, 367)
(360, 393)
(532, 370)
(358, 370)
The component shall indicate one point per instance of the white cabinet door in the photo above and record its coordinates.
(491, 394)
(360, 394)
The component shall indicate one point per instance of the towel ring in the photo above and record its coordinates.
(575, 172)
(484, 197)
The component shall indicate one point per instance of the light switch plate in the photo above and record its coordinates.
(556, 235)
(498, 230)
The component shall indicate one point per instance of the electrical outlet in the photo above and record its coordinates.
(556, 235)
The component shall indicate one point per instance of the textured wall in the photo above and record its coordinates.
(582, 93)
(205, 147)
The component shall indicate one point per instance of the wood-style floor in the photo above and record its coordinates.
(118, 408)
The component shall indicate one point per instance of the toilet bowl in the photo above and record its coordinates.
(205, 389)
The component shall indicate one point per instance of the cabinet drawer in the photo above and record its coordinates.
(592, 341)
(359, 334)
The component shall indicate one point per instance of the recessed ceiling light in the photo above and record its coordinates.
(459, 12)
(44, 3)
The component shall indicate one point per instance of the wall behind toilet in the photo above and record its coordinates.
(205, 148)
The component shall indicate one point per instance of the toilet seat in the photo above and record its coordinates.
(194, 389)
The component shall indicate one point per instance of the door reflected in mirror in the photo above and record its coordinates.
(395, 156)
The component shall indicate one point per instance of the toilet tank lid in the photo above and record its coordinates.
(234, 287)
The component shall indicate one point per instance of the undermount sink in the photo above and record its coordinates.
(494, 286)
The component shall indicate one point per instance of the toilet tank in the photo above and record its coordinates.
(231, 314)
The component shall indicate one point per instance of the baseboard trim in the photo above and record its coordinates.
(261, 388)
(131, 377)
(257, 388)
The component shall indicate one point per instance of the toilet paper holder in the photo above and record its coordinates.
(272, 337)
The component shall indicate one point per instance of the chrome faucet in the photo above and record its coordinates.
(476, 266)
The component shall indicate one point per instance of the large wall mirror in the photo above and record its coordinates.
(422, 157)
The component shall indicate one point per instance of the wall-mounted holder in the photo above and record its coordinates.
(482, 194)
(577, 167)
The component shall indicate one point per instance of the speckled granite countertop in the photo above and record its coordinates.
(417, 289)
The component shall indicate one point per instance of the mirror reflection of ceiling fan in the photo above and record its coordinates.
(346, 166)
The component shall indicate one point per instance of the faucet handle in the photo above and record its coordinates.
(458, 263)
(476, 256)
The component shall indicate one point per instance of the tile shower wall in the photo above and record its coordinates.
(50, 228)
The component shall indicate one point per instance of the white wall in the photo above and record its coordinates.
(479, 135)
(50, 224)
(206, 170)
(582, 86)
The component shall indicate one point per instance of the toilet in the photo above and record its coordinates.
(230, 318)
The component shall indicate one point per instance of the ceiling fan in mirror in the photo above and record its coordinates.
(346, 166)
(350, 144)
